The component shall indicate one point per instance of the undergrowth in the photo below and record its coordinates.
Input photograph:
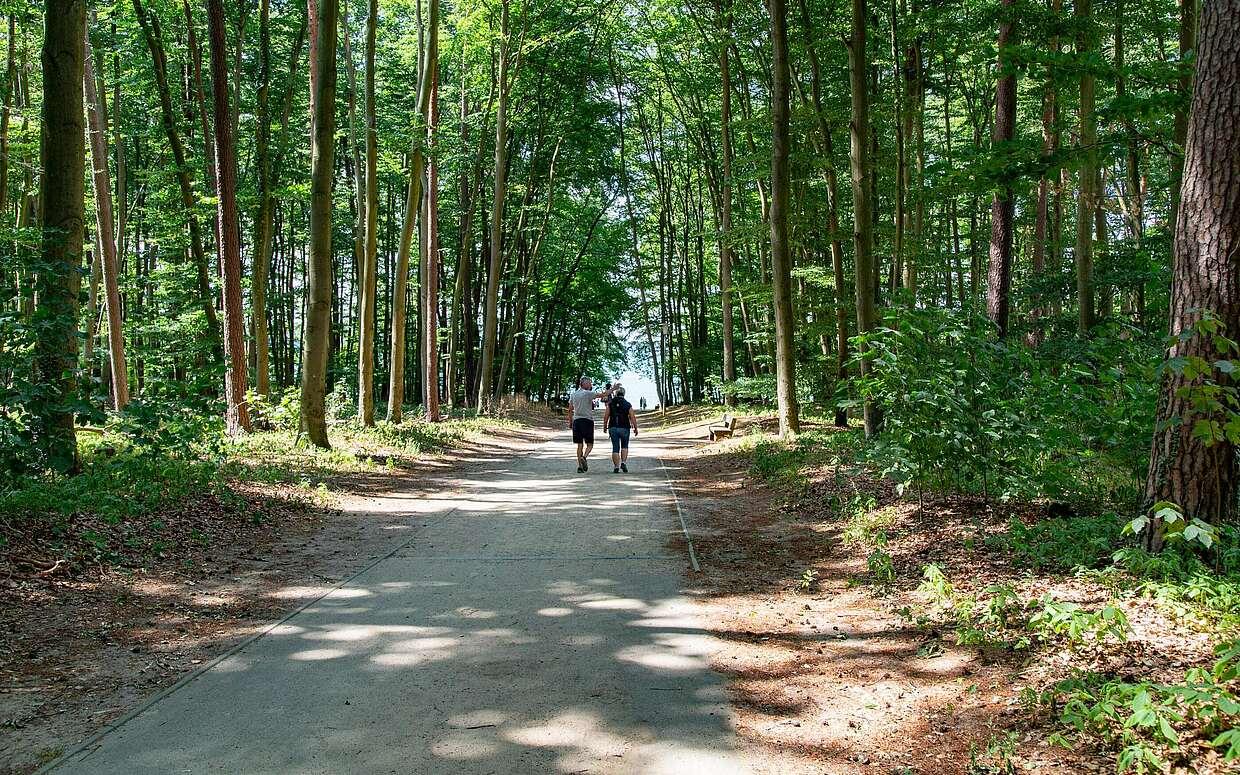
(155, 471)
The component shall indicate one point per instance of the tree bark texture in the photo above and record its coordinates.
(1202, 479)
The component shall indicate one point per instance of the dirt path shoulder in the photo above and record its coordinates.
(824, 676)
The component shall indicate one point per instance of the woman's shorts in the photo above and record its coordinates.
(619, 438)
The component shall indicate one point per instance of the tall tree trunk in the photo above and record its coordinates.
(833, 218)
(200, 97)
(725, 226)
(430, 274)
(97, 112)
(1189, 11)
(268, 170)
(413, 199)
(490, 326)
(370, 246)
(235, 379)
(863, 195)
(781, 256)
(62, 152)
(1050, 143)
(1003, 208)
(261, 247)
(10, 86)
(1198, 471)
(1086, 201)
(319, 292)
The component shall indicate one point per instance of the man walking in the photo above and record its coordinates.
(581, 420)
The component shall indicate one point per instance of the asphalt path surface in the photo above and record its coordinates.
(531, 622)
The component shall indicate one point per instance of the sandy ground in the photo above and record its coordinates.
(828, 679)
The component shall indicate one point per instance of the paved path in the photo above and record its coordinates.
(531, 625)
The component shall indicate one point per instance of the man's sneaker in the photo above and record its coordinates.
(585, 466)
(616, 470)
(624, 467)
(580, 470)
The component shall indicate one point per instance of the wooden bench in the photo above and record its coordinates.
(724, 429)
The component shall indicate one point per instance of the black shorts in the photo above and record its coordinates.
(583, 430)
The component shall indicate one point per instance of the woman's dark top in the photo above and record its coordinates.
(619, 413)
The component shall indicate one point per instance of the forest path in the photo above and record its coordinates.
(532, 623)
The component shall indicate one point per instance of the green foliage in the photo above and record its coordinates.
(996, 758)
(1149, 723)
(1179, 581)
(1000, 617)
(1060, 543)
(965, 412)
(1055, 620)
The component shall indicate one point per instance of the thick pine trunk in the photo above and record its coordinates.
(1202, 479)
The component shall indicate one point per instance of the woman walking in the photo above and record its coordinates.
(619, 420)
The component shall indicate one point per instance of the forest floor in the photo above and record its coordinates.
(834, 672)
(85, 644)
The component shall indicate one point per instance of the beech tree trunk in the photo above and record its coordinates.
(725, 225)
(781, 256)
(319, 265)
(97, 114)
(1003, 209)
(268, 170)
(413, 199)
(236, 382)
(1088, 176)
(1197, 474)
(490, 326)
(370, 245)
(57, 284)
(863, 195)
(430, 274)
(62, 153)
(261, 247)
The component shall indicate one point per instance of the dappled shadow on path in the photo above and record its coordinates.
(532, 624)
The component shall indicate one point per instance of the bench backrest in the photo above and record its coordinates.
(729, 420)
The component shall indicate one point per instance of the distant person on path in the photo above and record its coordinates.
(619, 420)
(581, 420)
(643, 403)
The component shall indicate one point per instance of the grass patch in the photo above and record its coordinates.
(784, 461)
(139, 498)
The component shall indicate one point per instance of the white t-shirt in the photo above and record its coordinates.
(582, 402)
